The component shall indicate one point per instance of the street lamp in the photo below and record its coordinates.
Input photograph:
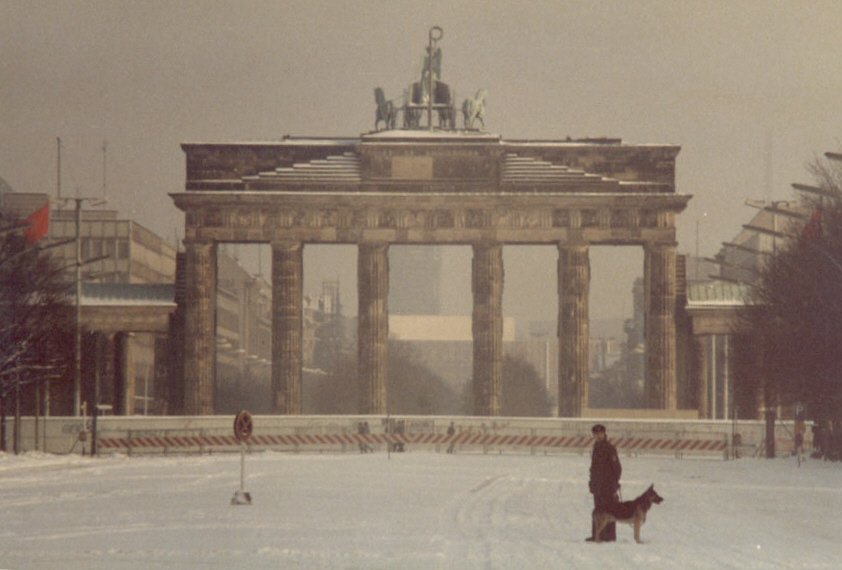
(78, 263)
(79, 201)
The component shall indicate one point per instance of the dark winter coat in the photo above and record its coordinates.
(605, 469)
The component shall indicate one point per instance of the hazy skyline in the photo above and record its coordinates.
(751, 91)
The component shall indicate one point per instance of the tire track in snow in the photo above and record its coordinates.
(524, 510)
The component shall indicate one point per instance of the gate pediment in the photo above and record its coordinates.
(452, 164)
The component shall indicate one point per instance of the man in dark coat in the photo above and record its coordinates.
(604, 481)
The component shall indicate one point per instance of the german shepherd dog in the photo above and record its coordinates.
(629, 512)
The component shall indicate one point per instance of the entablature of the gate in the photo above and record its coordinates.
(328, 217)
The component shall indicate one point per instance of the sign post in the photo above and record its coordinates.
(243, 427)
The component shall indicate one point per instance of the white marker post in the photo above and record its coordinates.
(243, 426)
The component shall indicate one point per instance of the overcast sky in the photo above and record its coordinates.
(751, 91)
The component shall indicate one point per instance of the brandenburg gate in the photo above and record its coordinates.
(430, 186)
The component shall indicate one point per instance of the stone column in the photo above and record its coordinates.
(372, 326)
(287, 325)
(110, 376)
(90, 368)
(659, 283)
(700, 371)
(487, 285)
(574, 279)
(124, 386)
(162, 374)
(199, 327)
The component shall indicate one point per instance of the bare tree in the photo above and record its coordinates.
(795, 310)
(36, 319)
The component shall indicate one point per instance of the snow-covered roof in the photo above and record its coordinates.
(528, 170)
(344, 168)
(420, 134)
(308, 141)
(717, 294)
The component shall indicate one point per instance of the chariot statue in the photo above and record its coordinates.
(386, 110)
(427, 96)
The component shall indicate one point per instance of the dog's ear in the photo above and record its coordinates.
(651, 487)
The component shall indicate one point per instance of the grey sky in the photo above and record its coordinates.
(721, 79)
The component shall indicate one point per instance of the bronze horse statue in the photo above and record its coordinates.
(386, 110)
(474, 109)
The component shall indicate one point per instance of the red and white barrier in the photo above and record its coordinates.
(198, 434)
(464, 439)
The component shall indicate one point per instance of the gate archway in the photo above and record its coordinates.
(425, 188)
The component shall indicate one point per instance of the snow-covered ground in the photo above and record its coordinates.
(415, 510)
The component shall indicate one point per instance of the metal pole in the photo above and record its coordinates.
(58, 169)
(37, 412)
(713, 377)
(430, 81)
(97, 338)
(242, 466)
(97, 367)
(46, 409)
(696, 261)
(77, 358)
(432, 42)
(726, 378)
(2, 422)
(94, 431)
(16, 430)
(104, 163)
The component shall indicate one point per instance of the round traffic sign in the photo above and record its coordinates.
(243, 426)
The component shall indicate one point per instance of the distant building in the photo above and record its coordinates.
(741, 259)
(444, 343)
(717, 360)
(126, 251)
(700, 269)
(604, 353)
(127, 296)
(131, 353)
(243, 339)
(5, 188)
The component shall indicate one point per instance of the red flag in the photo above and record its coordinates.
(813, 228)
(39, 224)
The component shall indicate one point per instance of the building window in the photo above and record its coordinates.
(109, 247)
(96, 248)
(123, 249)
